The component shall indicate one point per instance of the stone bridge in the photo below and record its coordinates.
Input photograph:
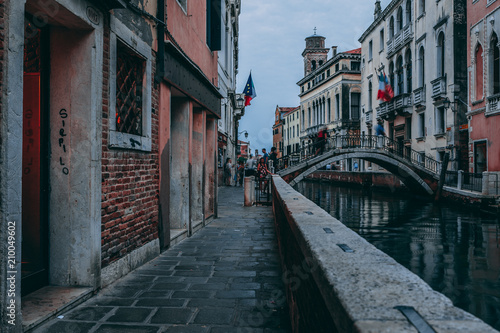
(418, 172)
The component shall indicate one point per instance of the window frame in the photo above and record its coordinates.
(120, 33)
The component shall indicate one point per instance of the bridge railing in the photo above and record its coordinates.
(375, 142)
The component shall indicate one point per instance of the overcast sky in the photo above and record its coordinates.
(271, 41)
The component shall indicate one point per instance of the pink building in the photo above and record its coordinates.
(483, 59)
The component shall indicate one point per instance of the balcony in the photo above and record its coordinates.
(399, 40)
(383, 110)
(439, 87)
(407, 33)
(402, 103)
(368, 116)
(313, 130)
(493, 105)
(390, 46)
(419, 96)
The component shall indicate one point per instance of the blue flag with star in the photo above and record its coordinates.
(249, 91)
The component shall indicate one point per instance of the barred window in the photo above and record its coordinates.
(129, 90)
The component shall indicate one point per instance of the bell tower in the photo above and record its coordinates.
(315, 53)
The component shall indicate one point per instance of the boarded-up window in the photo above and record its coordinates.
(130, 74)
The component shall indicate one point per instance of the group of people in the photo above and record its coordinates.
(257, 165)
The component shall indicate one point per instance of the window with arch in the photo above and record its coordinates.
(494, 64)
(421, 7)
(400, 19)
(370, 95)
(440, 55)
(355, 104)
(409, 69)
(313, 65)
(329, 110)
(391, 74)
(421, 67)
(399, 75)
(408, 12)
(478, 77)
(391, 27)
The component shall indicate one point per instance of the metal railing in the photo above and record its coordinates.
(464, 180)
(263, 191)
(371, 142)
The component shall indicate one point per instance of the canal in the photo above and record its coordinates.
(455, 249)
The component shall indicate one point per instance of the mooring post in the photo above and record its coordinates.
(444, 167)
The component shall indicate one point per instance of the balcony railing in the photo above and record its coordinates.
(369, 116)
(419, 96)
(313, 130)
(407, 33)
(390, 46)
(399, 39)
(383, 110)
(439, 87)
(402, 101)
(493, 105)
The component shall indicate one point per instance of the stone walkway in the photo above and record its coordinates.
(225, 278)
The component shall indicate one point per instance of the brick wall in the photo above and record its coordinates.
(130, 180)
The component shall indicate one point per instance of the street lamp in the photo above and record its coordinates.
(244, 131)
(240, 101)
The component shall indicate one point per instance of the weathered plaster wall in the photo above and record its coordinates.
(179, 166)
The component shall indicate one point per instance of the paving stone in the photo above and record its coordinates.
(210, 302)
(130, 315)
(109, 328)
(236, 273)
(231, 329)
(92, 313)
(214, 316)
(172, 316)
(168, 286)
(236, 294)
(208, 286)
(65, 327)
(192, 294)
(193, 273)
(110, 301)
(187, 329)
(160, 301)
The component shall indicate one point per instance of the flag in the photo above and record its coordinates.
(249, 91)
(385, 92)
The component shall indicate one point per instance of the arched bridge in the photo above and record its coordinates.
(417, 171)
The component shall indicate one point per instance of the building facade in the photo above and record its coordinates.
(108, 138)
(419, 48)
(231, 108)
(330, 92)
(291, 132)
(483, 62)
(279, 113)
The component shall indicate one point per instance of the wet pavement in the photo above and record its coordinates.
(225, 278)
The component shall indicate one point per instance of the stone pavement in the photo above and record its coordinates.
(225, 278)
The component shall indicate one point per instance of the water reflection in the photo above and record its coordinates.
(454, 249)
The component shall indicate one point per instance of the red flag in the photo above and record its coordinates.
(385, 92)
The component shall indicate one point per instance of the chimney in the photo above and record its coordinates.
(334, 51)
(378, 10)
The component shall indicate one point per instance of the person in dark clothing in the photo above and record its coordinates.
(274, 157)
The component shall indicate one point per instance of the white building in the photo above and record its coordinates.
(422, 51)
(231, 112)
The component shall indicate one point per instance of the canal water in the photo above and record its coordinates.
(455, 249)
